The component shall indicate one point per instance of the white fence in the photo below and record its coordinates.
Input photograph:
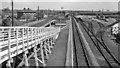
(15, 40)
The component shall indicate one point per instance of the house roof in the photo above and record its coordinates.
(27, 11)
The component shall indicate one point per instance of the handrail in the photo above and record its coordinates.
(15, 37)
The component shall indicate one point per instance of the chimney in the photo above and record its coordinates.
(24, 8)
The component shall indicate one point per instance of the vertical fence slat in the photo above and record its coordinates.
(40, 31)
(42, 53)
(31, 36)
(9, 46)
(0, 49)
(35, 37)
(23, 46)
(27, 37)
(17, 40)
(38, 36)
(36, 62)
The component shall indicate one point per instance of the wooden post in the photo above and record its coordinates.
(42, 54)
(24, 55)
(9, 47)
(45, 47)
(35, 56)
(17, 40)
(31, 36)
(48, 43)
(27, 38)
(51, 41)
(0, 51)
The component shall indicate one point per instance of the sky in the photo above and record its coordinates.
(67, 4)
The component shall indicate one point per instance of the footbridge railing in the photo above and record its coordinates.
(26, 41)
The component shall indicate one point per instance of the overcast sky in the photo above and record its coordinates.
(67, 4)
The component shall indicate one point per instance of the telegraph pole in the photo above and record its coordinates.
(38, 13)
(12, 14)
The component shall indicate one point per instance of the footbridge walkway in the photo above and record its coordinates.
(46, 45)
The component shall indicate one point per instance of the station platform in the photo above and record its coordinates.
(58, 56)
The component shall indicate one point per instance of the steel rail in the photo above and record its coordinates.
(83, 49)
(102, 45)
(90, 53)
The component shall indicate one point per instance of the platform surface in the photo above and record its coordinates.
(58, 56)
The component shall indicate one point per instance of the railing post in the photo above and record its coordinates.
(42, 54)
(24, 55)
(39, 34)
(27, 29)
(35, 56)
(9, 47)
(48, 43)
(17, 40)
(45, 48)
(52, 41)
(31, 36)
(0, 52)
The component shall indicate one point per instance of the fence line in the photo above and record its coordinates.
(16, 40)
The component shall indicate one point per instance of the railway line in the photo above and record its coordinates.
(99, 44)
(79, 49)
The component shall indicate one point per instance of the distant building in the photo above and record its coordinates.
(20, 13)
(36, 13)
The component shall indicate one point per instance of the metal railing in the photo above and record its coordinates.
(16, 40)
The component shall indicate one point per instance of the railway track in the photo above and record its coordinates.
(99, 44)
(80, 54)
